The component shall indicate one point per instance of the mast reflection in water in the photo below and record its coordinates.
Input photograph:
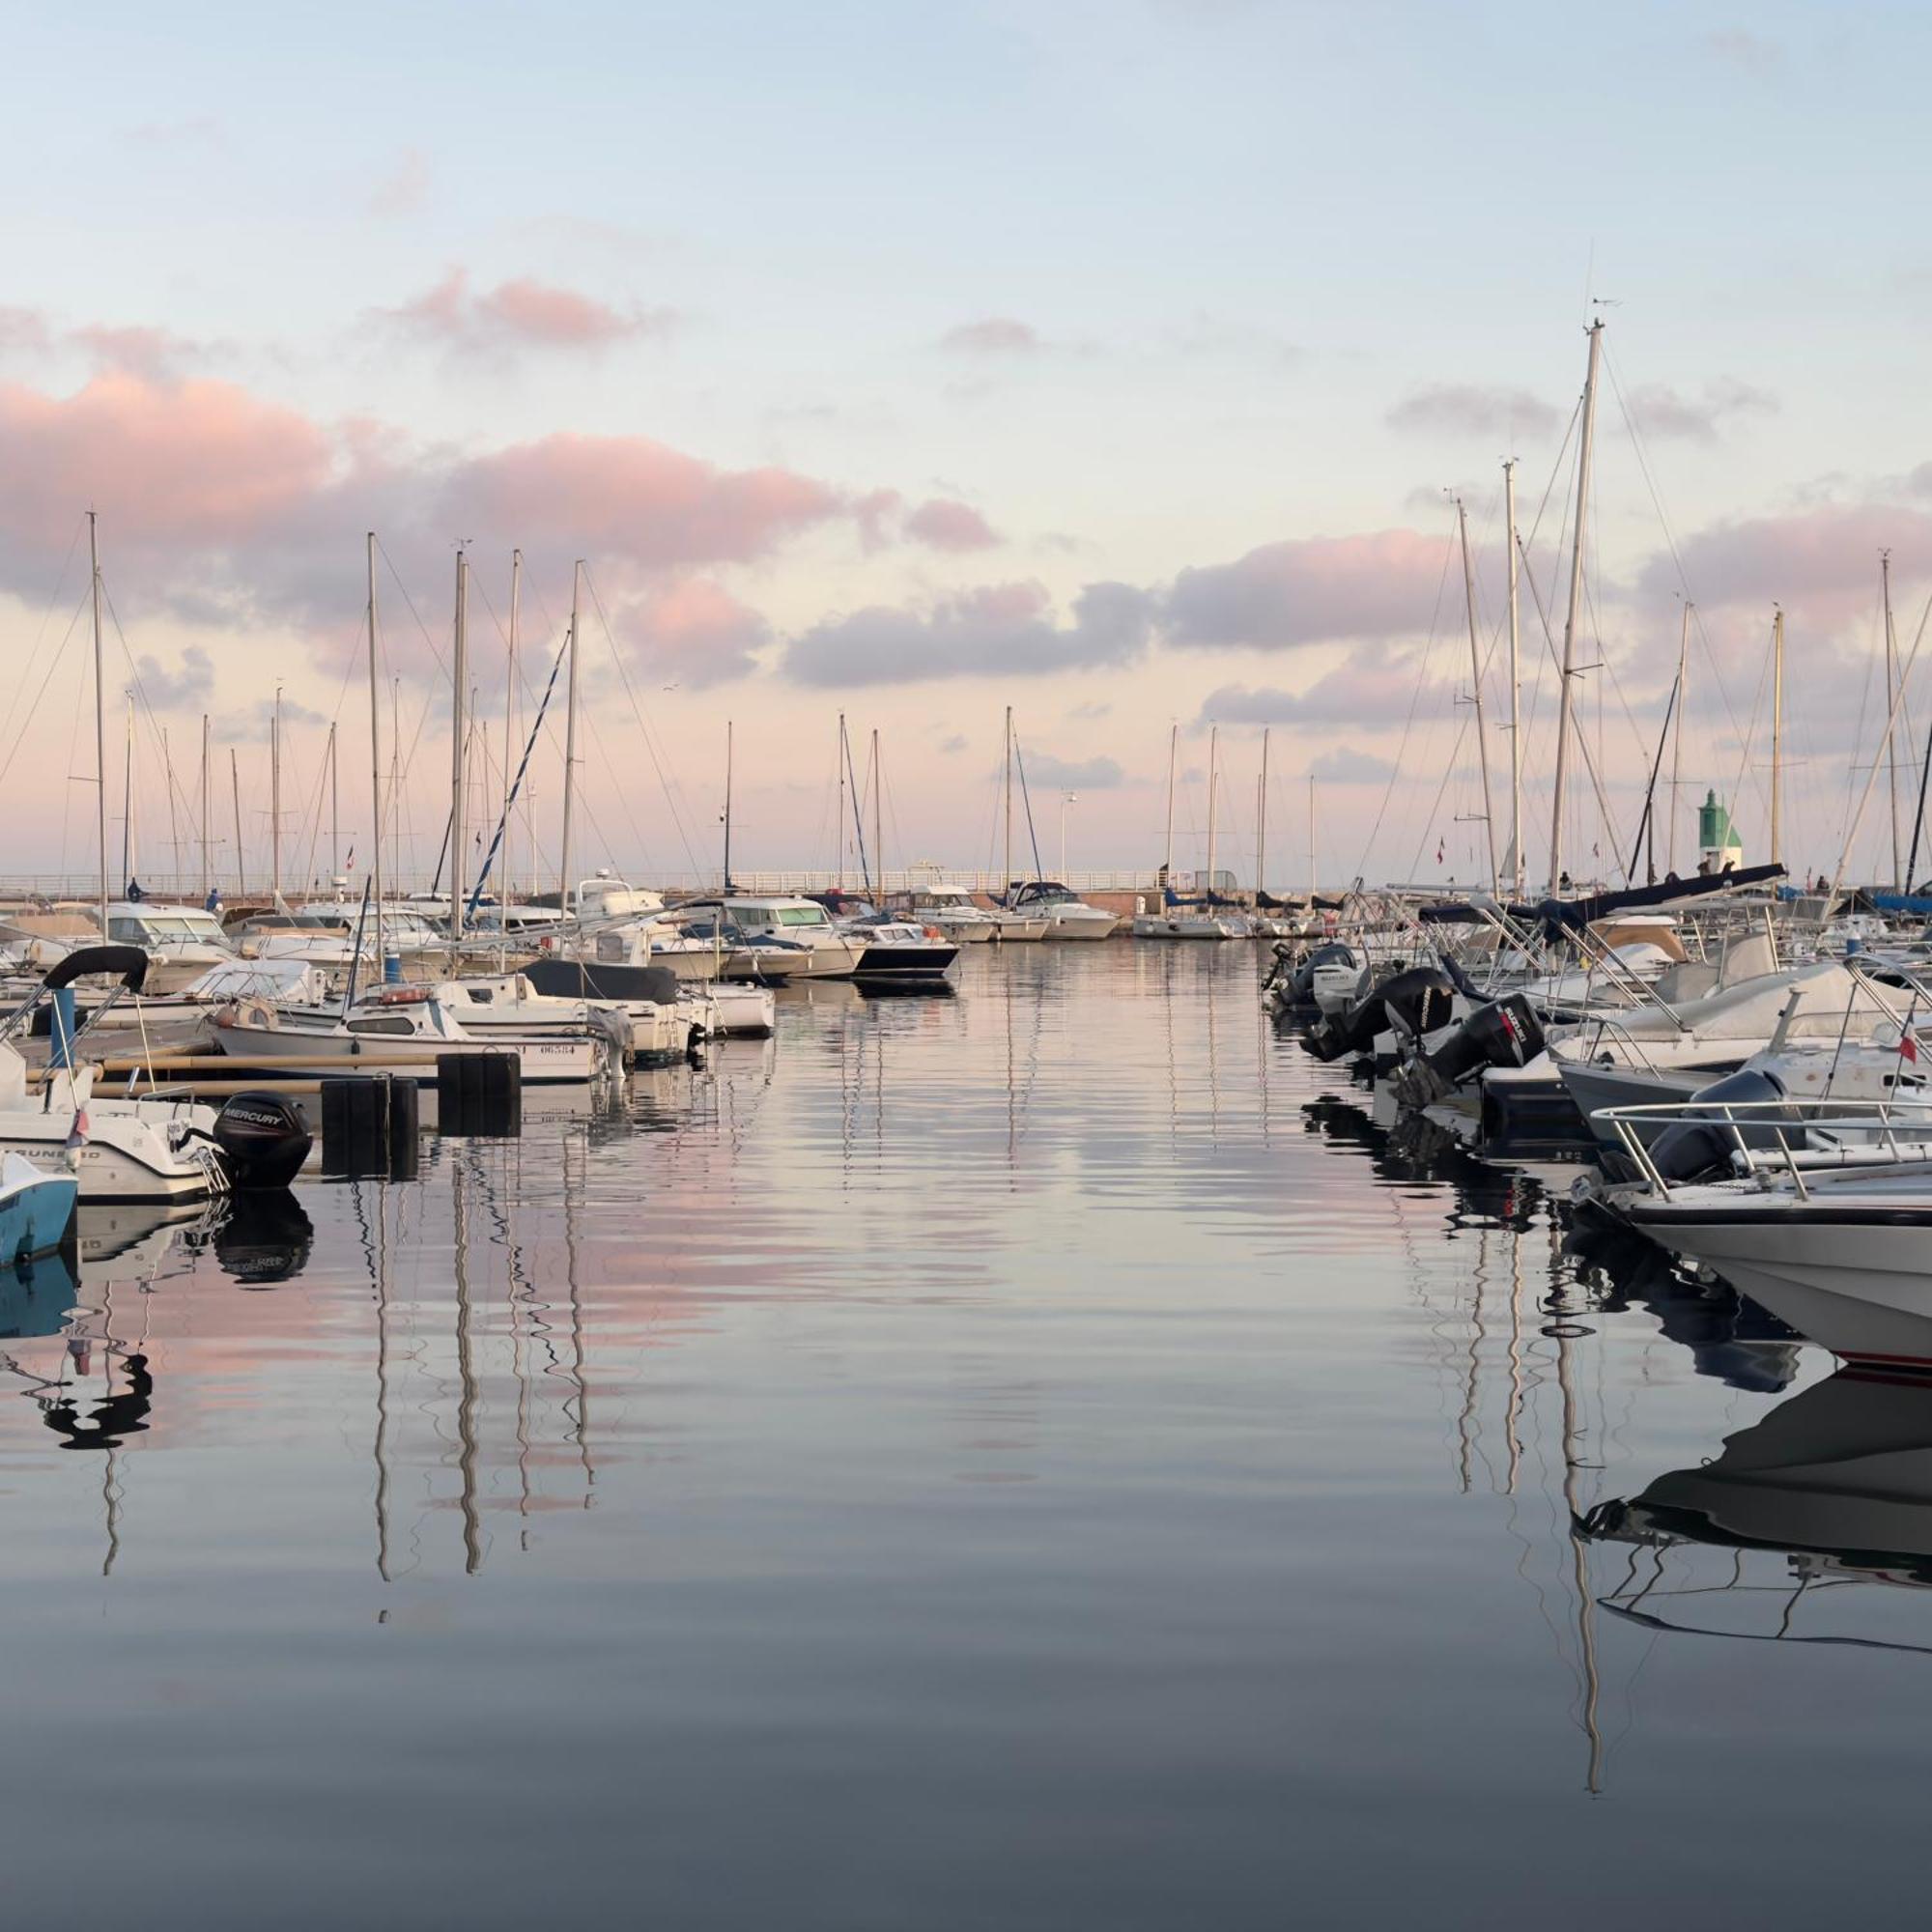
(1038, 1457)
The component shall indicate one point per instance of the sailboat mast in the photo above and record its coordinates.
(206, 880)
(1778, 738)
(1515, 685)
(1564, 702)
(1261, 820)
(728, 804)
(1476, 685)
(334, 811)
(569, 744)
(458, 692)
(1891, 687)
(275, 801)
(878, 813)
(128, 798)
(1311, 842)
(1006, 861)
(1213, 749)
(842, 801)
(235, 786)
(504, 872)
(100, 721)
(1167, 849)
(1676, 737)
(375, 768)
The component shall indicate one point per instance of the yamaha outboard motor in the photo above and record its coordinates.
(264, 1140)
(1419, 999)
(1698, 1146)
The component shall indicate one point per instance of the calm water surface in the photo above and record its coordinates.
(1041, 1457)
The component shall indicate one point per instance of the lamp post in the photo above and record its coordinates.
(1067, 798)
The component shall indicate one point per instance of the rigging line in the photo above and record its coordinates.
(48, 605)
(1583, 737)
(658, 763)
(1448, 774)
(1415, 702)
(54, 663)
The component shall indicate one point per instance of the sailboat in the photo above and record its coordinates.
(1179, 918)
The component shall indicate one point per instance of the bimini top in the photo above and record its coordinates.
(128, 963)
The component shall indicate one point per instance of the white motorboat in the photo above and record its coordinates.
(158, 1148)
(953, 910)
(181, 942)
(1825, 1223)
(1066, 916)
(398, 1028)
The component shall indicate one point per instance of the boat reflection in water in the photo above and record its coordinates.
(1832, 1489)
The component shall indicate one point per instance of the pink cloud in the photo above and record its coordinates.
(191, 464)
(521, 314)
(946, 524)
(695, 628)
(993, 335)
(1309, 591)
(145, 351)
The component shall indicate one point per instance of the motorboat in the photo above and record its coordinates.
(398, 1028)
(1825, 1219)
(157, 1149)
(1066, 916)
(36, 1208)
(955, 911)
(181, 941)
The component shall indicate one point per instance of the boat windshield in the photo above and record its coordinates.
(804, 915)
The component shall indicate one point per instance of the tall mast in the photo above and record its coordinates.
(375, 768)
(1891, 686)
(842, 801)
(275, 801)
(878, 813)
(1516, 686)
(570, 742)
(235, 786)
(128, 798)
(1213, 748)
(1563, 705)
(458, 692)
(1167, 850)
(100, 722)
(1476, 685)
(505, 874)
(1007, 862)
(334, 811)
(174, 823)
(728, 804)
(1261, 820)
(1778, 737)
(1676, 737)
(1311, 842)
(207, 879)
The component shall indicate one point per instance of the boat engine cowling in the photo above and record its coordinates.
(263, 1139)
(1419, 999)
(1503, 1034)
(1301, 989)
(1701, 1145)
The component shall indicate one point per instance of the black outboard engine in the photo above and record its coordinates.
(265, 1239)
(263, 1139)
(1419, 999)
(1506, 1033)
(1699, 1146)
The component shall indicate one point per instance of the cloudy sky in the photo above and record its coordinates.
(1113, 359)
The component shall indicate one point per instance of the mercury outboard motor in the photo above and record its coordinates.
(264, 1140)
(1699, 1146)
(1419, 999)
(1506, 1033)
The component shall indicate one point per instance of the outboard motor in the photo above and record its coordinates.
(265, 1239)
(263, 1139)
(1419, 1000)
(1301, 989)
(1701, 1145)
(1506, 1033)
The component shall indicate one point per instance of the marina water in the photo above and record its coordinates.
(1035, 1458)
